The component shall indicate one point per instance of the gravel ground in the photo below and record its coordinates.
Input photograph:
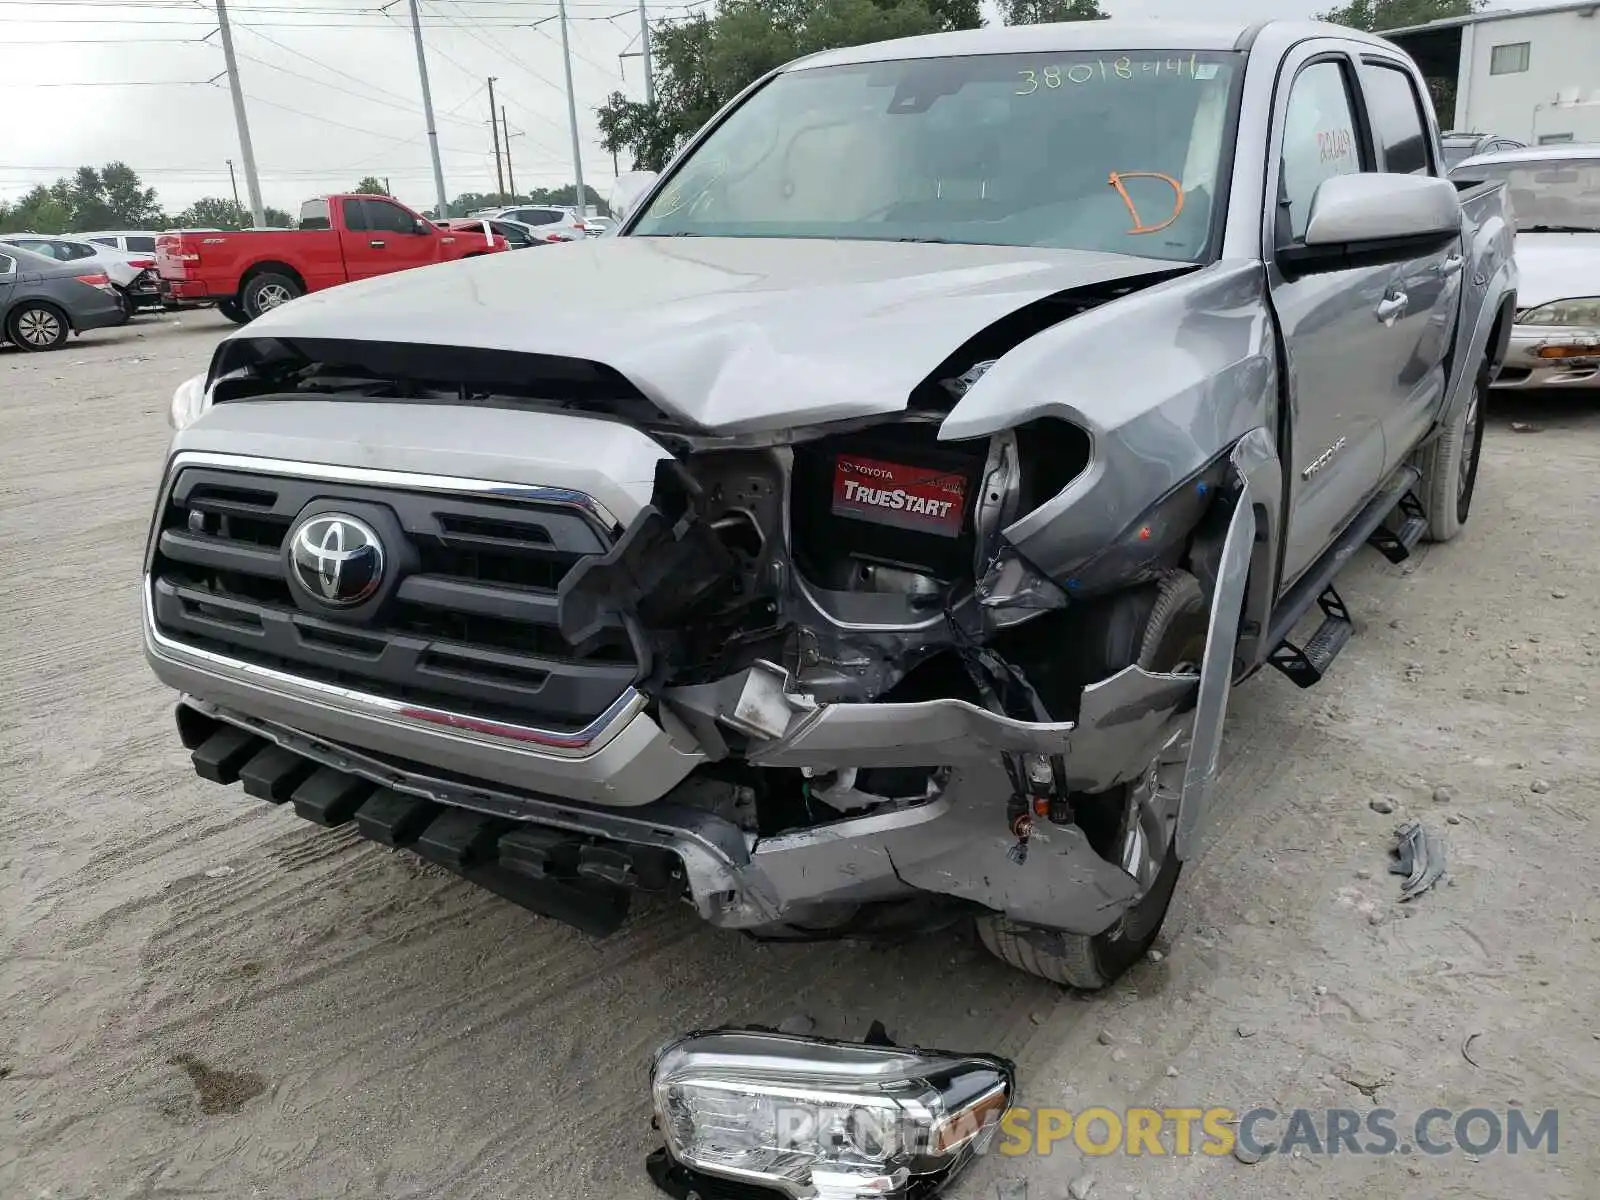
(202, 996)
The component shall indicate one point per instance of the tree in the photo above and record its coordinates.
(1375, 16)
(371, 186)
(214, 212)
(1042, 12)
(564, 196)
(704, 61)
(39, 211)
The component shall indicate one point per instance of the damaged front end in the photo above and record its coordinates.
(889, 695)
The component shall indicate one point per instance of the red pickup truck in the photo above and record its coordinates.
(340, 238)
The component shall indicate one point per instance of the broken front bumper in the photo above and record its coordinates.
(955, 844)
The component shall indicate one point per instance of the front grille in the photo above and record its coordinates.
(465, 619)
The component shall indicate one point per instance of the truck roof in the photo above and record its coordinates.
(1558, 152)
(1108, 35)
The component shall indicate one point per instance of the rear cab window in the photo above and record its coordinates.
(141, 244)
(314, 215)
(1398, 125)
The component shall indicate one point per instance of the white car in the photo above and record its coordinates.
(1554, 194)
(134, 241)
(133, 275)
(552, 222)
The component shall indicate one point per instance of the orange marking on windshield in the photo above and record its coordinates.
(1133, 211)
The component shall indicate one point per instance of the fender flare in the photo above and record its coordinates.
(1476, 348)
(1242, 602)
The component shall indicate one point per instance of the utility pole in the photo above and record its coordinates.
(387, 190)
(572, 115)
(644, 48)
(234, 180)
(427, 112)
(505, 131)
(494, 131)
(251, 182)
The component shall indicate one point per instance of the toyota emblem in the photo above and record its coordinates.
(336, 559)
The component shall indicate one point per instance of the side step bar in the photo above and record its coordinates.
(1397, 544)
(1307, 665)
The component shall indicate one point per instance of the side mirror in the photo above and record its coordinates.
(629, 189)
(1371, 219)
(421, 227)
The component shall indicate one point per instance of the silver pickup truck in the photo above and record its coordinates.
(866, 535)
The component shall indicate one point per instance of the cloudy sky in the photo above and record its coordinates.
(332, 89)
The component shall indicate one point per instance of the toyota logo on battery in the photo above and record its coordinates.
(336, 559)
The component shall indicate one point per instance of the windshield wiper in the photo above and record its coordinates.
(937, 241)
(1560, 229)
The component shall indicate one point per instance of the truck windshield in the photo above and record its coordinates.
(1560, 195)
(1116, 151)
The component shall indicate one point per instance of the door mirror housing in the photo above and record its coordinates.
(1372, 219)
(422, 228)
(629, 189)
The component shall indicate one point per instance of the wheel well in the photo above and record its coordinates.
(37, 302)
(1500, 333)
(271, 268)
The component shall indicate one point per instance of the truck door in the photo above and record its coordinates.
(1430, 285)
(1340, 342)
(387, 238)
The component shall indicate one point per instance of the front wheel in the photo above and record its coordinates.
(1134, 825)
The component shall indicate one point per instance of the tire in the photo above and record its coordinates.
(126, 305)
(267, 291)
(35, 325)
(1450, 468)
(231, 310)
(1173, 638)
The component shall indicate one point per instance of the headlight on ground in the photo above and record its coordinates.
(189, 402)
(1582, 311)
(832, 1120)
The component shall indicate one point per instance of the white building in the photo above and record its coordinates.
(1532, 74)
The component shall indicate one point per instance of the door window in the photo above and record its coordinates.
(384, 217)
(105, 241)
(73, 251)
(511, 233)
(1320, 140)
(535, 216)
(355, 215)
(1397, 122)
(8, 266)
(38, 247)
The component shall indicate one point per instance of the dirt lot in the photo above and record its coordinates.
(202, 996)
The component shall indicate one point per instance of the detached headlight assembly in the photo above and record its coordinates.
(189, 403)
(1584, 311)
(817, 1119)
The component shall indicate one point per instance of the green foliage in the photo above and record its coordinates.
(564, 196)
(370, 186)
(702, 62)
(220, 212)
(1375, 16)
(109, 197)
(1042, 12)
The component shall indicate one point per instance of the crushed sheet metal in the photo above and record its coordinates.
(1420, 856)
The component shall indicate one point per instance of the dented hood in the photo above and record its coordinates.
(729, 334)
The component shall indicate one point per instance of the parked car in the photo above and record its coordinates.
(867, 535)
(1458, 147)
(554, 223)
(1554, 194)
(340, 238)
(596, 226)
(133, 275)
(43, 301)
(134, 241)
(517, 235)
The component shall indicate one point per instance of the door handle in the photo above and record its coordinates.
(377, 245)
(1392, 306)
(1451, 265)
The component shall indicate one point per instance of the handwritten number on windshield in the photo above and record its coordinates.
(1052, 77)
